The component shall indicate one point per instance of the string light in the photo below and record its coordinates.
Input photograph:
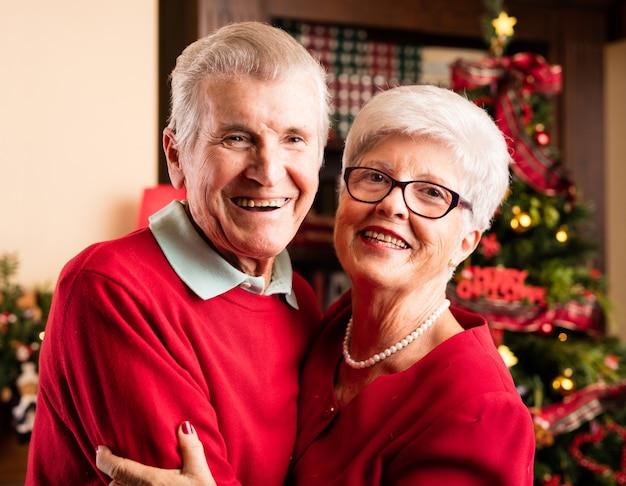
(521, 222)
(562, 235)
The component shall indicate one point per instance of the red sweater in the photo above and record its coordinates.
(130, 352)
(453, 419)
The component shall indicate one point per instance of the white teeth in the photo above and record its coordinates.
(387, 240)
(259, 203)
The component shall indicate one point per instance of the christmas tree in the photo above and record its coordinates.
(23, 316)
(533, 279)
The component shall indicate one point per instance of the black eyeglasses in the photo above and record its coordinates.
(423, 198)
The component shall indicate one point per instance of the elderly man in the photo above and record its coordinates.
(199, 317)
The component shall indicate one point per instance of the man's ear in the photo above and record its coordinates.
(174, 167)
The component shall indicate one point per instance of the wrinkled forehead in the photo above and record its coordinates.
(294, 96)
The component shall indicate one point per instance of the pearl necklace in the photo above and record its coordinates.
(392, 349)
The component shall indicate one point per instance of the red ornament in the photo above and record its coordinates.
(546, 328)
(490, 246)
(612, 362)
(543, 138)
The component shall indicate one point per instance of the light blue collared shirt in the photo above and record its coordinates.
(203, 270)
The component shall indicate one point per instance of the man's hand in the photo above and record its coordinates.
(125, 472)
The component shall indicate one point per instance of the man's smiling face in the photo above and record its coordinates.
(254, 170)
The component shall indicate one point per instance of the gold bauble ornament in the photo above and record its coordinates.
(562, 234)
(521, 222)
(564, 383)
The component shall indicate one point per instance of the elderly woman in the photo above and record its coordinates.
(400, 388)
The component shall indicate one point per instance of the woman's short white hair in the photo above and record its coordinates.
(252, 49)
(439, 114)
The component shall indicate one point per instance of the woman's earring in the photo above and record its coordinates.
(452, 263)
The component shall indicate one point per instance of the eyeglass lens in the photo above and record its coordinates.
(422, 197)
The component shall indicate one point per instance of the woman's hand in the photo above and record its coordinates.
(195, 470)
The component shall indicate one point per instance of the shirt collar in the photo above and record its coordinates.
(204, 271)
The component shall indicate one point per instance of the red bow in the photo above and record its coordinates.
(509, 78)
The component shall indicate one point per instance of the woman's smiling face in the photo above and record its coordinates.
(385, 242)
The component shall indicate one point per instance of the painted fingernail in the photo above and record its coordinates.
(187, 428)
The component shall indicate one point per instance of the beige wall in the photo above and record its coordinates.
(78, 125)
(615, 140)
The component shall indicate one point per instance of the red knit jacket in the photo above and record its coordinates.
(130, 352)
